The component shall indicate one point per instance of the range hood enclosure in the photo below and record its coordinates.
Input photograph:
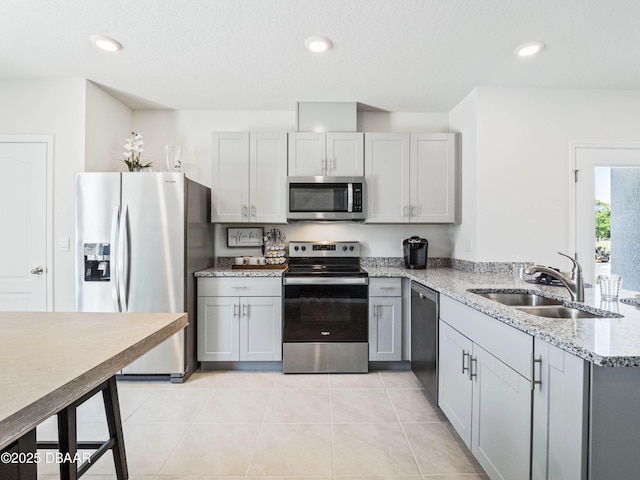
(327, 116)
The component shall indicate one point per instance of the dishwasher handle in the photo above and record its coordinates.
(424, 292)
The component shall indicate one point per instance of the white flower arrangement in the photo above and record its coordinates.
(133, 152)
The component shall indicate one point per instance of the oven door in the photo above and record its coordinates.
(326, 309)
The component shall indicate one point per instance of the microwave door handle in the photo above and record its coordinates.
(350, 197)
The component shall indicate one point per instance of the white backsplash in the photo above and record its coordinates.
(375, 240)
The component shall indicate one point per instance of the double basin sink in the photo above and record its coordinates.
(539, 305)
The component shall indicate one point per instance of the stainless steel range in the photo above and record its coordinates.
(326, 303)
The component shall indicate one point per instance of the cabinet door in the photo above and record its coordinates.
(218, 328)
(267, 177)
(501, 427)
(386, 170)
(385, 328)
(433, 178)
(559, 415)
(230, 177)
(345, 154)
(454, 383)
(261, 328)
(307, 154)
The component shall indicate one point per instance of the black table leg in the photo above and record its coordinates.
(114, 421)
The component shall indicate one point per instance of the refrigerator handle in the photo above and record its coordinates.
(114, 253)
(123, 258)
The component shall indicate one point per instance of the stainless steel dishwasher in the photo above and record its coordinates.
(424, 338)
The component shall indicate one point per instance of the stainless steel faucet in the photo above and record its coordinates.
(575, 284)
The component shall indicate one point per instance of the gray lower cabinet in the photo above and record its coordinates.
(385, 319)
(560, 414)
(485, 388)
(246, 326)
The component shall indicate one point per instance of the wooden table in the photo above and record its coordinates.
(48, 361)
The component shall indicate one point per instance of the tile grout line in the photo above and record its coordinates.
(184, 435)
(333, 450)
(255, 443)
(404, 433)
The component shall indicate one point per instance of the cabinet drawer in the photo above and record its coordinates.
(385, 287)
(240, 287)
(510, 345)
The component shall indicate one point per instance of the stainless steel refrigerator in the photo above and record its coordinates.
(139, 239)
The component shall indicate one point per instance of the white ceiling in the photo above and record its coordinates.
(394, 55)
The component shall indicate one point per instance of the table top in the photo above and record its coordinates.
(49, 360)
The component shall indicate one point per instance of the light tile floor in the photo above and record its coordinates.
(267, 425)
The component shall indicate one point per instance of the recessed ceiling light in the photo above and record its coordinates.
(318, 44)
(529, 48)
(106, 43)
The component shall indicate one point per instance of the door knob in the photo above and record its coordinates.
(37, 271)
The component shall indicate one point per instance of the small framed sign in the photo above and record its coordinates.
(244, 237)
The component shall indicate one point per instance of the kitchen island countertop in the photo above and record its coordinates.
(49, 360)
(608, 342)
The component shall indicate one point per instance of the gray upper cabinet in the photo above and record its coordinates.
(334, 154)
(412, 178)
(248, 177)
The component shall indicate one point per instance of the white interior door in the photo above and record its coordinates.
(587, 159)
(23, 216)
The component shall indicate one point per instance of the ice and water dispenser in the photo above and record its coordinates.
(97, 262)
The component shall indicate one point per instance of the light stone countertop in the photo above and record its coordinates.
(48, 360)
(608, 342)
(230, 272)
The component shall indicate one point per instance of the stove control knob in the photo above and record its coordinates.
(352, 248)
(344, 248)
(303, 248)
(296, 248)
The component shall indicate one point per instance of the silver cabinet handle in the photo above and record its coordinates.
(244, 210)
(37, 271)
(245, 310)
(473, 372)
(413, 211)
(235, 310)
(253, 210)
(405, 210)
(375, 311)
(324, 166)
(535, 382)
(465, 368)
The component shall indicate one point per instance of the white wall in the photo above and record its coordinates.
(192, 130)
(463, 118)
(53, 107)
(523, 165)
(107, 126)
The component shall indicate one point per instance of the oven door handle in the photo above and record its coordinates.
(325, 281)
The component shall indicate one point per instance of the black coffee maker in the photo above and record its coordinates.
(415, 252)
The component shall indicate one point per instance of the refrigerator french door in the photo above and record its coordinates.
(139, 239)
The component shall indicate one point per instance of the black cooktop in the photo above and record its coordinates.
(327, 259)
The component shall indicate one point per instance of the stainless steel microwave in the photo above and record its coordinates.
(325, 198)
